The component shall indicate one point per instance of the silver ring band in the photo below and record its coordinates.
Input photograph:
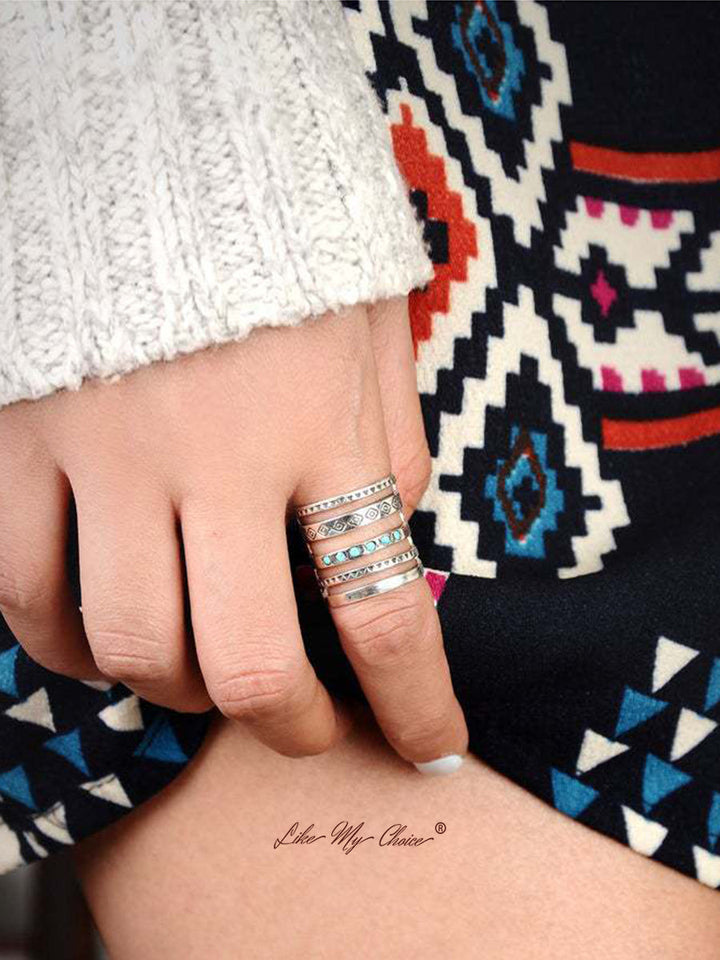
(366, 548)
(376, 588)
(363, 516)
(360, 572)
(309, 508)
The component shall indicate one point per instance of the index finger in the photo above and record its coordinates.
(389, 628)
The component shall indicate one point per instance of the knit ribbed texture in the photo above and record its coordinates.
(174, 174)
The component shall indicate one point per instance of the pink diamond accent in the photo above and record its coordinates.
(594, 207)
(652, 380)
(437, 581)
(691, 377)
(629, 215)
(611, 379)
(661, 219)
(603, 293)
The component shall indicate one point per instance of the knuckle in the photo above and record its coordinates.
(48, 659)
(390, 631)
(132, 654)
(255, 694)
(24, 591)
(132, 669)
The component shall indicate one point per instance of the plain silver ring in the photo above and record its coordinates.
(376, 588)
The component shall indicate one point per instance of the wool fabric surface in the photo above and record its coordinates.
(174, 174)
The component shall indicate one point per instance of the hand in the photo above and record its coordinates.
(189, 469)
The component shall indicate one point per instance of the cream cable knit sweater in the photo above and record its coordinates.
(173, 174)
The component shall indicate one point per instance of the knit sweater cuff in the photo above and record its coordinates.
(174, 174)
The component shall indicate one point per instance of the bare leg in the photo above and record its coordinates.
(193, 873)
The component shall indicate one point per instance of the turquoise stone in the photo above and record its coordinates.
(355, 551)
(370, 546)
(340, 556)
(397, 535)
(327, 560)
(385, 538)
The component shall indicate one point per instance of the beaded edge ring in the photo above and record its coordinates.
(309, 508)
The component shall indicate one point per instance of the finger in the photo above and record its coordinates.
(36, 598)
(394, 644)
(132, 598)
(392, 344)
(393, 640)
(246, 628)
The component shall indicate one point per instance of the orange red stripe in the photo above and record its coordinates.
(655, 434)
(700, 166)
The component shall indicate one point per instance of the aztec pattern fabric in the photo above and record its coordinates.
(568, 356)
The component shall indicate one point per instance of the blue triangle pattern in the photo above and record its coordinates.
(713, 822)
(68, 745)
(712, 696)
(14, 783)
(659, 780)
(160, 743)
(570, 796)
(635, 709)
(8, 683)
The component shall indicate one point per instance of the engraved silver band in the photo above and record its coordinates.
(377, 587)
(359, 572)
(377, 487)
(361, 517)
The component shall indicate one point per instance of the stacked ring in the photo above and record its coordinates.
(404, 561)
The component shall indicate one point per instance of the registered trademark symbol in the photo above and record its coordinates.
(440, 827)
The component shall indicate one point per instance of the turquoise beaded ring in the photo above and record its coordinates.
(368, 546)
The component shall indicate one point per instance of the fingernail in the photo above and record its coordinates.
(441, 766)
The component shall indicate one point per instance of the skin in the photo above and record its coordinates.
(194, 872)
(217, 447)
(181, 450)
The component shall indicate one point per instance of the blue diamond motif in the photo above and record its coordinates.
(496, 87)
(525, 536)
